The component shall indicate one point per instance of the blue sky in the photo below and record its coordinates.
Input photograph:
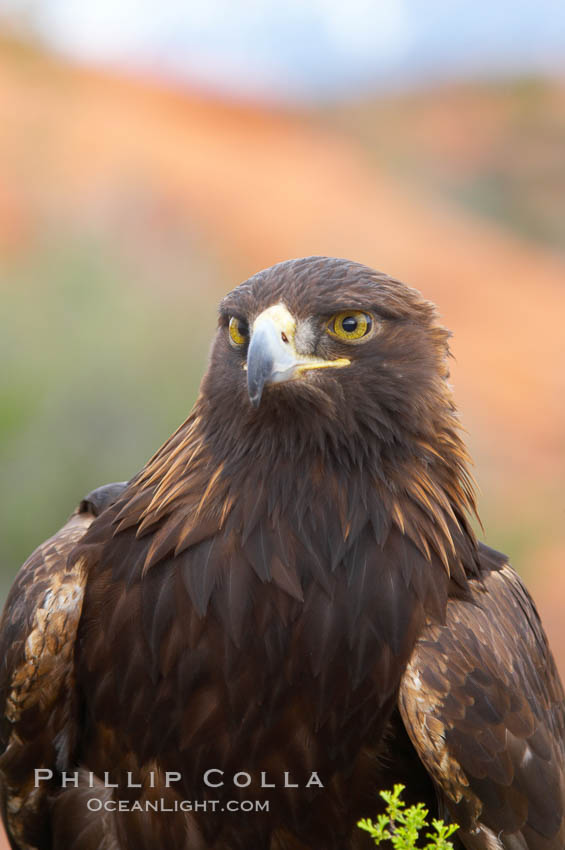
(305, 48)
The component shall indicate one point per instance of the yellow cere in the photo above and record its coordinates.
(238, 331)
(281, 318)
(350, 325)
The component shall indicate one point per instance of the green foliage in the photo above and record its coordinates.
(401, 826)
(100, 363)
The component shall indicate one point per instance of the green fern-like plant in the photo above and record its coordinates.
(401, 825)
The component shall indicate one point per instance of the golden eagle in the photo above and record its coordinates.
(286, 610)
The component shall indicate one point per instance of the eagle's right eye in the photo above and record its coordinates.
(239, 331)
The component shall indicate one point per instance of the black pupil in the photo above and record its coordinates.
(349, 324)
(242, 328)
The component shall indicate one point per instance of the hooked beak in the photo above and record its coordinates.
(272, 357)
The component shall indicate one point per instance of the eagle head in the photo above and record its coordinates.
(331, 349)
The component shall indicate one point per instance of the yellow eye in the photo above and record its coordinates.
(239, 332)
(350, 325)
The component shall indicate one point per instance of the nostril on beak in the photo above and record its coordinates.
(284, 337)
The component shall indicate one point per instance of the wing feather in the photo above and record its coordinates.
(37, 707)
(483, 704)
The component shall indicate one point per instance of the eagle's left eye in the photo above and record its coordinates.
(350, 325)
(239, 331)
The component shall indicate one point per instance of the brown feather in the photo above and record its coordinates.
(483, 704)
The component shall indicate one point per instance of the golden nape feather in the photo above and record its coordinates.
(286, 610)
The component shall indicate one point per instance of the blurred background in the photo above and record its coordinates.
(153, 155)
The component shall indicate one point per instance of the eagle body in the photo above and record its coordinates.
(285, 609)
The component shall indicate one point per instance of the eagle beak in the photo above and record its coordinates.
(272, 357)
